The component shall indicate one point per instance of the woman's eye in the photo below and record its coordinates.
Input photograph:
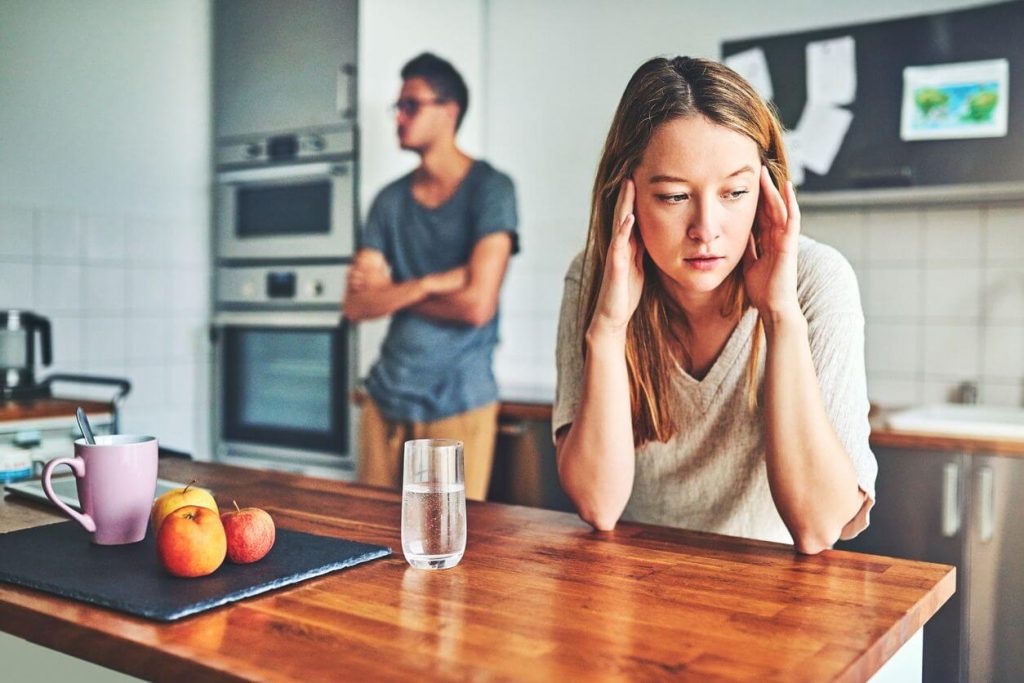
(673, 198)
(736, 194)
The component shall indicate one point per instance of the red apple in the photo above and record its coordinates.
(191, 541)
(250, 533)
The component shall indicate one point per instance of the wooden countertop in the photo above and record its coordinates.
(49, 407)
(886, 437)
(881, 434)
(538, 596)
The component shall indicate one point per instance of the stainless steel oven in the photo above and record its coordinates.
(287, 197)
(283, 370)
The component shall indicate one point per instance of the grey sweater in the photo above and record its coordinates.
(711, 476)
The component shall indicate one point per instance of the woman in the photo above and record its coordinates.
(711, 364)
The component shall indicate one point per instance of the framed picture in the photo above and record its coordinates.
(950, 101)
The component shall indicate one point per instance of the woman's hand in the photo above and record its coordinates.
(770, 276)
(623, 279)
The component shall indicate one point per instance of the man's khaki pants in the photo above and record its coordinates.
(381, 444)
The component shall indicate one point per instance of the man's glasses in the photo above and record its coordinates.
(410, 106)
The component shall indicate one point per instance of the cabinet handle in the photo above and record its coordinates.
(986, 502)
(344, 91)
(950, 500)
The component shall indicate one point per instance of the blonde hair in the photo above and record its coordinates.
(663, 90)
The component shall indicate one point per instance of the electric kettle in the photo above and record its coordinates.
(18, 331)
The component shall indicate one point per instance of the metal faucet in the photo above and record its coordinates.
(967, 392)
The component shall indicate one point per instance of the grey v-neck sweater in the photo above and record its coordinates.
(711, 476)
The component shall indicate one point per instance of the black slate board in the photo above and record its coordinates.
(60, 558)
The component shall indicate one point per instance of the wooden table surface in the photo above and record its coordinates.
(538, 596)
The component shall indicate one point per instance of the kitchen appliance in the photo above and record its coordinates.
(18, 332)
(287, 198)
(283, 369)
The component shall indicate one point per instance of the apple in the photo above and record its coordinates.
(191, 541)
(250, 533)
(179, 498)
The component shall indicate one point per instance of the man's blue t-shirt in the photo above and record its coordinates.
(431, 369)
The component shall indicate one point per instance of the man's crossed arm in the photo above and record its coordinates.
(467, 294)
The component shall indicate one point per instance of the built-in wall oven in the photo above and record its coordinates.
(286, 197)
(284, 369)
(285, 211)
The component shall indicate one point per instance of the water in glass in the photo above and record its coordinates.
(434, 524)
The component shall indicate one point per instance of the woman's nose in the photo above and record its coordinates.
(703, 227)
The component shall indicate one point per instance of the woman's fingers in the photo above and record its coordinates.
(624, 203)
(792, 209)
(773, 205)
(621, 239)
(638, 250)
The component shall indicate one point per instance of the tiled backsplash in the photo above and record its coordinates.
(942, 289)
(943, 296)
(128, 296)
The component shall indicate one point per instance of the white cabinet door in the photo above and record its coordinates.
(282, 66)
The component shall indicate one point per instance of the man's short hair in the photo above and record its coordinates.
(443, 79)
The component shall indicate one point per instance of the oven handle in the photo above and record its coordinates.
(282, 172)
(277, 319)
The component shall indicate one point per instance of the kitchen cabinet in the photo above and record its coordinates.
(957, 508)
(525, 471)
(282, 66)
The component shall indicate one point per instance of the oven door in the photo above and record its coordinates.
(301, 211)
(282, 387)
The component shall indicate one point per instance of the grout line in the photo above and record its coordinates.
(922, 284)
(983, 302)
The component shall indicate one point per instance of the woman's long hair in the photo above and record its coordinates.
(660, 91)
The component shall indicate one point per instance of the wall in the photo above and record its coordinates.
(391, 32)
(943, 290)
(943, 295)
(104, 196)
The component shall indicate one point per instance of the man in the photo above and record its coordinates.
(434, 252)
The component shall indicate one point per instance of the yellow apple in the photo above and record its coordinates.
(179, 498)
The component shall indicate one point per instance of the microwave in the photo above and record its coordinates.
(287, 212)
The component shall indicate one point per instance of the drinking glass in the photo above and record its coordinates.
(433, 503)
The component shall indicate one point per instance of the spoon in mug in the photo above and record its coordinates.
(83, 424)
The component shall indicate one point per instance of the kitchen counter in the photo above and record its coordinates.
(881, 434)
(42, 408)
(538, 596)
(884, 436)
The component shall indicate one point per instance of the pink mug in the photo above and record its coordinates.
(116, 481)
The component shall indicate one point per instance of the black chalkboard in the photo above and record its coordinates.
(872, 154)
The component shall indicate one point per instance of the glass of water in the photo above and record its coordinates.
(433, 503)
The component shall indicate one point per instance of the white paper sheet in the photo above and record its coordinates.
(832, 71)
(820, 133)
(753, 66)
(794, 156)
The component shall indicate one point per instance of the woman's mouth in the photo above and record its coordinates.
(704, 263)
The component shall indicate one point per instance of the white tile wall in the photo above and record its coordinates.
(17, 233)
(944, 298)
(125, 298)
